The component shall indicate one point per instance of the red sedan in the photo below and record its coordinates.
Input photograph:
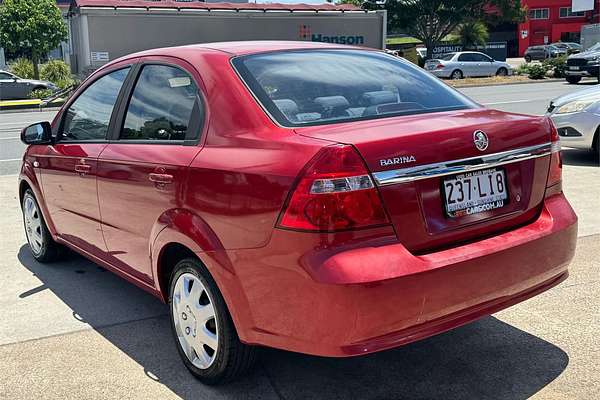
(317, 198)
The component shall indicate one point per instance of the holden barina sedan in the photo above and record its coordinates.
(316, 198)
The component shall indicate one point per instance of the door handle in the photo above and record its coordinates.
(83, 168)
(160, 178)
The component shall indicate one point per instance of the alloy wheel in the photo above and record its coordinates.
(33, 225)
(195, 321)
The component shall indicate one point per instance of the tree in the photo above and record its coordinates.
(432, 20)
(357, 3)
(472, 33)
(32, 26)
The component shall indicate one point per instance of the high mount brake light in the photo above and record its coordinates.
(335, 192)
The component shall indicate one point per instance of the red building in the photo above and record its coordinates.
(551, 21)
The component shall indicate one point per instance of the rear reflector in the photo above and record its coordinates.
(335, 192)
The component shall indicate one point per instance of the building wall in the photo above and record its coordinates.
(542, 31)
(114, 33)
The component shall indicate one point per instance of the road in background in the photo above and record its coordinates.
(11, 148)
(527, 98)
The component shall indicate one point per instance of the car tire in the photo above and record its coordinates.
(43, 247)
(456, 74)
(502, 72)
(195, 340)
(528, 59)
(573, 79)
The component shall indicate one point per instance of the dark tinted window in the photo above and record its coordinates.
(480, 57)
(465, 57)
(320, 86)
(5, 75)
(161, 105)
(448, 56)
(88, 116)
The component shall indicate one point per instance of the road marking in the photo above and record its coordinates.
(12, 159)
(10, 138)
(514, 101)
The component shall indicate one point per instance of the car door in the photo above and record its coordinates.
(8, 86)
(141, 173)
(484, 65)
(466, 64)
(69, 166)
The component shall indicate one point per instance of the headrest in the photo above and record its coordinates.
(287, 106)
(380, 97)
(332, 102)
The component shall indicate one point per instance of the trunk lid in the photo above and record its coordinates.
(418, 208)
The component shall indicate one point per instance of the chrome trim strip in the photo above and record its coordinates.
(436, 170)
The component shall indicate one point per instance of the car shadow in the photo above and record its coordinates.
(580, 157)
(485, 359)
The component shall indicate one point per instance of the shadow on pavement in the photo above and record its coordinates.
(579, 157)
(486, 359)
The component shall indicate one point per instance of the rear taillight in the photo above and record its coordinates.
(439, 66)
(335, 192)
(555, 172)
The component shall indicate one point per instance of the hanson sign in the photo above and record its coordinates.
(305, 33)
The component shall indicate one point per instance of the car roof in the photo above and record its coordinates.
(246, 47)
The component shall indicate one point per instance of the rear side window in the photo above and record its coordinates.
(87, 118)
(161, 105)
(314, 87)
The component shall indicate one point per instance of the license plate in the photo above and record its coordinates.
(574, 68)
(475, 192)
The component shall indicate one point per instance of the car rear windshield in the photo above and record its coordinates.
(315, 87)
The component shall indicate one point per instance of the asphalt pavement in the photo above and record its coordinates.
(71, 330)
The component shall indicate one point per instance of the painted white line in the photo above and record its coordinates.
(514, 101)
(10, 138)
(12, 159)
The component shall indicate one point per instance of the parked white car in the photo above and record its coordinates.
(467, 64)
(577, 118)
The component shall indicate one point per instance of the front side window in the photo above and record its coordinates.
(87, 118)
(161, 105)
(480, 57)
(5, 75)
(313, 87)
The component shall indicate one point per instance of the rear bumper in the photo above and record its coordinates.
(441, 73)
(320, 300)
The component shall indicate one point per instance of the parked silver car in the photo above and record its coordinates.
(12, 87)
(577, 118)
(467, 64)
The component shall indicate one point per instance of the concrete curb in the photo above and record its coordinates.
(549, 80)
(4, 110)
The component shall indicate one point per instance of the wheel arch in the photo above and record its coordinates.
(182, 234)
(28, 180)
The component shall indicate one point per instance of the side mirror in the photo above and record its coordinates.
(40, 133)
(15, 79)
